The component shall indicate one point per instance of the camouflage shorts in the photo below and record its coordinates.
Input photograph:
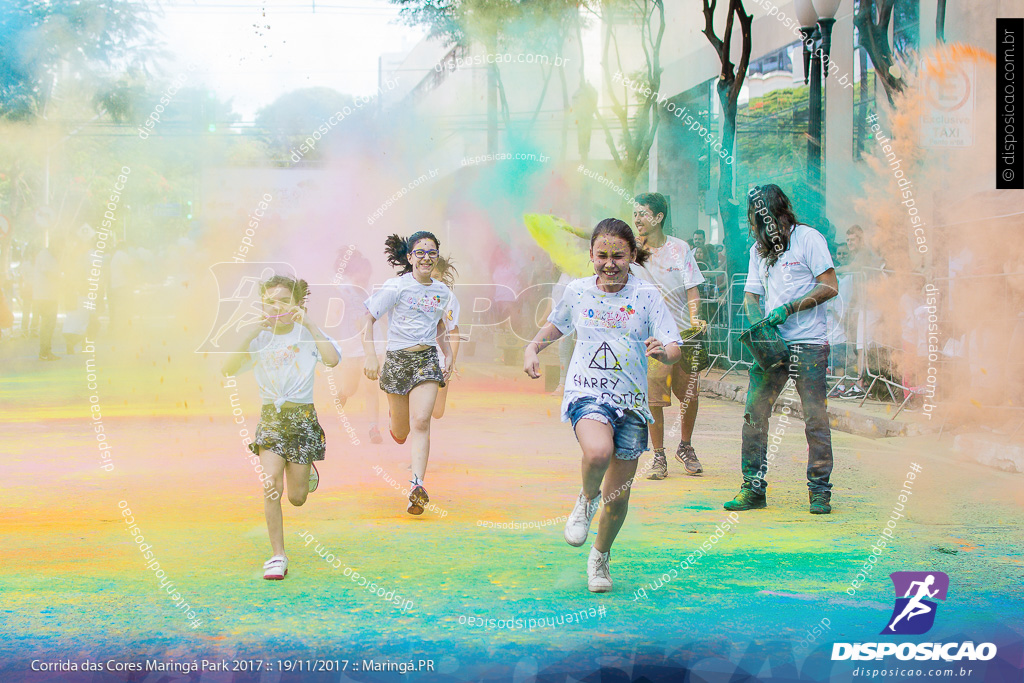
(294, 433)
(405, 369)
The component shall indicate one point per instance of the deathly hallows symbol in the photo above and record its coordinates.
(605, 359)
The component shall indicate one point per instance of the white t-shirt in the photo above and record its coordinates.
(285, 364)
(793, 276)
(673, 269)
(414, 309)
(609, 362)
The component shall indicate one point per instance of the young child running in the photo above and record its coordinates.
(620, 322)
(444, 270)
(418, 324)
(352, 276)
(284, 348)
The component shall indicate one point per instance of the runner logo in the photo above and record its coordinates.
(914, 613)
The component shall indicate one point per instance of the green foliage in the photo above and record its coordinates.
(771, 136)
(494, 22)
(47, 43)
(442, 17)
(296, 115)
(769, 130)
(85, 156)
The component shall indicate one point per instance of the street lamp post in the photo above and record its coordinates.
(816, 20)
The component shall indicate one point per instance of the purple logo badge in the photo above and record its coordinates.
(916, 593)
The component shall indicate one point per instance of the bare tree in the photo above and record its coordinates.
(730, 81)
(872, 19)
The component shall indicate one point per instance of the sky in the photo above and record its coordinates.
(254, 52)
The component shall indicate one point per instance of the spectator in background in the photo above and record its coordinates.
(842, 359)
(703, 258)
(29, 322)
(79, 321)
(722, 261)
(699, 239)
(506, 288)
(45, 289)
(861, 256)
(122, 264)
(6, 317)
(864, 267)
(707, 261)
(506, 282)
(842, 256)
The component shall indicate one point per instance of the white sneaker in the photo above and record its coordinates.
(276, 568)
(599, 577)
(578, 525)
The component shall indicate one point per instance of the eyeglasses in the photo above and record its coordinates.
(420, 253)
(643, 214)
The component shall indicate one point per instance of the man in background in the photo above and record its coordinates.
(45, 292)
(863, 268)
(699, 239)
(673, 269)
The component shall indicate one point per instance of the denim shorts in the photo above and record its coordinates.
(628, 427)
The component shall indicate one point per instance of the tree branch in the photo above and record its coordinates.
(709, 27)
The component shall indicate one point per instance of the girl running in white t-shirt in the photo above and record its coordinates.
(284, 347)
(418, 324)
(620, 321)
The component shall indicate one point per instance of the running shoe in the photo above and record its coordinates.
(417, 500)
(854, 392)
(276, 568)
(686, 455)
(599, 576)
(820, 502)
(375, 436)
(578, 525)
(314, 477)
(747, 500)
(659, 465)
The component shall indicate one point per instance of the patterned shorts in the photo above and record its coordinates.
(294, 433)
(405, 369)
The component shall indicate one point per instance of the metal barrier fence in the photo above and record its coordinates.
(723, 306)
(849, 316)
(891, 356)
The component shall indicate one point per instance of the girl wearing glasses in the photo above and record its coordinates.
(423, 311)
